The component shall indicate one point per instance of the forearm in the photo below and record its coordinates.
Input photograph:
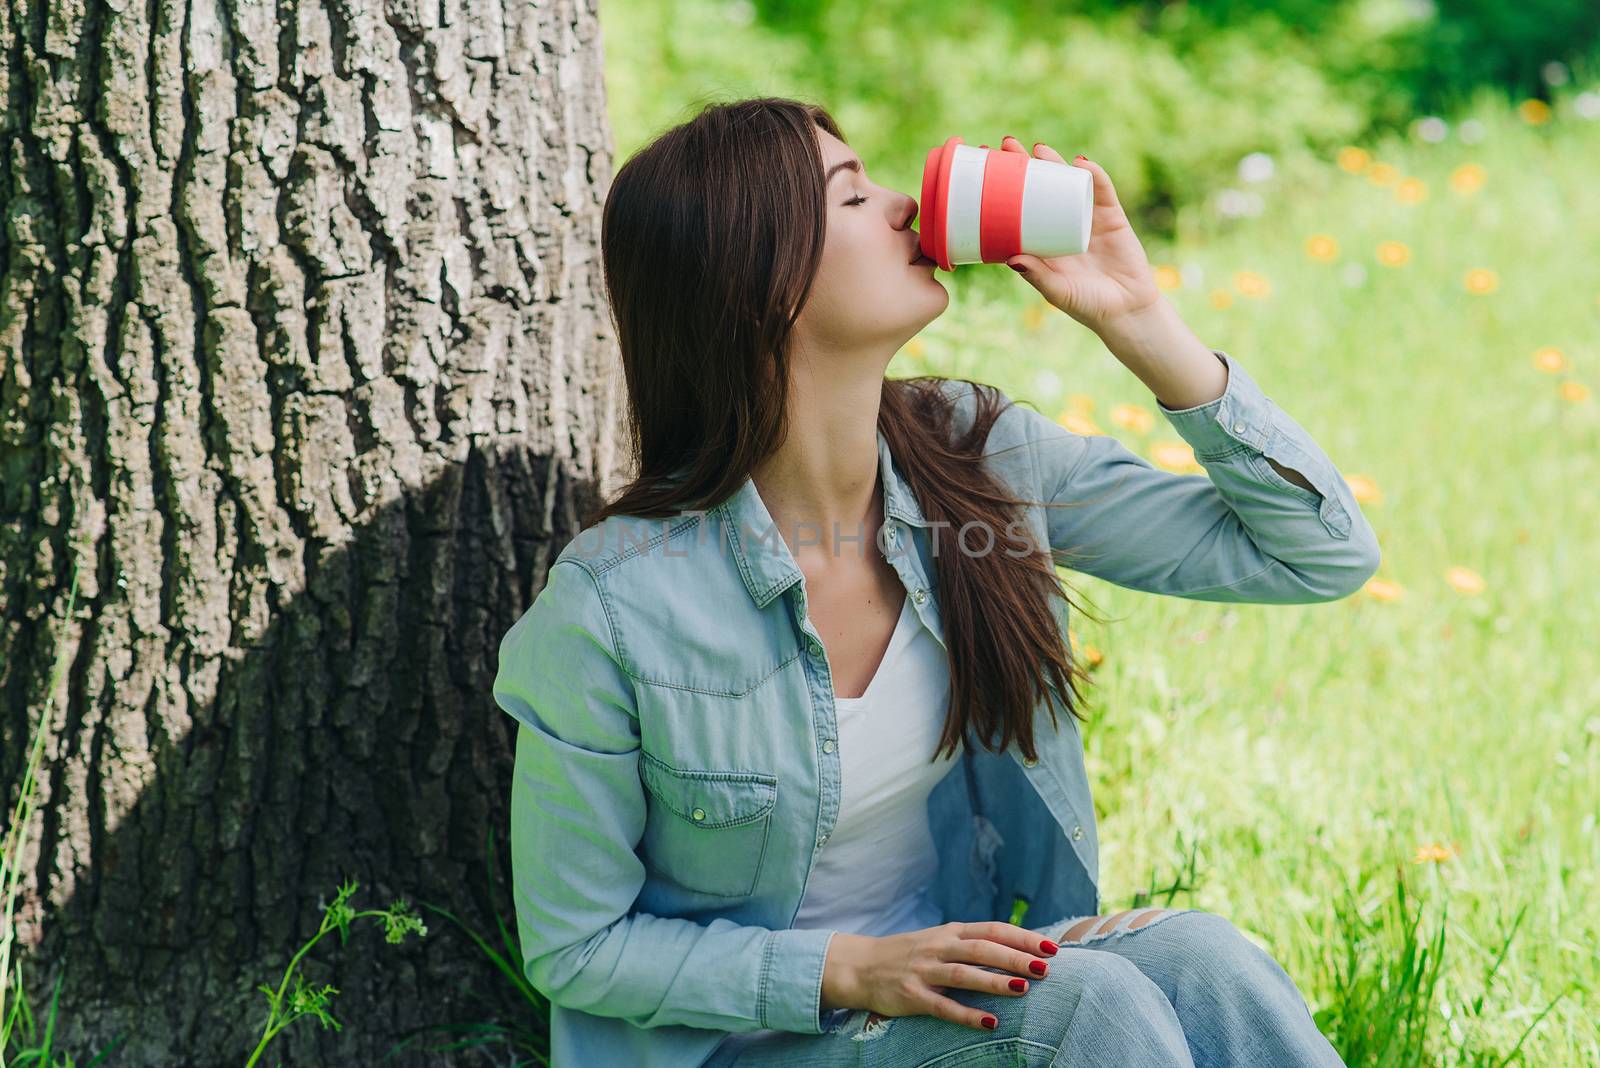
(1158, 347)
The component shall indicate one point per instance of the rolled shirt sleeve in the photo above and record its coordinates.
(577, 815)
(1241, 532)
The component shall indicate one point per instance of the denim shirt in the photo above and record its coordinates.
(676, 767)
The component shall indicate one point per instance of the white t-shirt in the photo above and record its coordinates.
(874, 872)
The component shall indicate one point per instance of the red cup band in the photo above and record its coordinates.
(1000, 212)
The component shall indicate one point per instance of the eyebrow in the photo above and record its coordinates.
(849, 164)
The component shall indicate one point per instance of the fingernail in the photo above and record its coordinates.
(1048, 948)
(990, 1022)
(1019, 268)
(1037, 967)
(1077, 158)
(1019, 985)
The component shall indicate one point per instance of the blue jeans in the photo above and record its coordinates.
(1185, 989)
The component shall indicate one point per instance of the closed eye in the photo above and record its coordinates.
(857, 199)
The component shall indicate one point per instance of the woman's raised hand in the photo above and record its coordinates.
(1109, 280)
(903, 974)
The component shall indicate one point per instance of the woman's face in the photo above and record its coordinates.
(868, 296)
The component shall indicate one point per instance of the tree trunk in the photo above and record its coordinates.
(305, 366)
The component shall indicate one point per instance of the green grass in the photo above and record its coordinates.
(1304, 754)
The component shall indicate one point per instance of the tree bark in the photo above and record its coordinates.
(307, 371)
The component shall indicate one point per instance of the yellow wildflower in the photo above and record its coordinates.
(916, 349)
(1353, 159)
(1433, 852)
(1132, 417)
(1080, 402)
(1168, 277)
(1467, 179)
(1550, 359)
(1382, 173)
(1251, 284)
(1393, 253)
(1465, 580)
(1481, 280)
(1221, 298)
(1383, 590)
(1078, 424)
(1573, 391)
(1321, 247)
(1534, 112)
(1411, 191)
(1365, 489)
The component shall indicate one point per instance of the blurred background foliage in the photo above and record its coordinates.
(1167, 96)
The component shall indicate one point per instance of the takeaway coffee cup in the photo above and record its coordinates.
(984, 205)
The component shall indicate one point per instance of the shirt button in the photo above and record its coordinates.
(815, 647)
(821, 838)
(699, 813)
(919, 595)
(1238, 428)
(1029, 762)
(1077, 832)
(827, 746)
(892, 536)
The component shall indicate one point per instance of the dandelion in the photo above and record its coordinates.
(1465, 580)
(1432, 128)
(1549, 359)
(1132, 417)
(1534, 112)
(1393, 253)
(1174, 456)
(1468, 178)
(916, 349)
(1433, 852)
(1383, 590)
(1411, 191)
(1353, 159)
(1169, 277)
(1080, 402)
(1078, 424)
(1363, 488)
(1033, 315)
(1481, 280)
(1256, 167)
(1220, 299)
(1322, 247)
(1382, 173)
(1573, 391)
(1251, 284)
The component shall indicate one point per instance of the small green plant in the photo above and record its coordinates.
(534, 1041)
(17, 1024)
(288, 1005)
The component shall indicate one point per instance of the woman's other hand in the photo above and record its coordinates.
(1109, 280)
(903, 974)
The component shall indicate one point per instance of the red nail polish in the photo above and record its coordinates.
(1019, 985)
(1077, 158)
(1048, 948)
(1037, 967)
(990, 1022)
(1019, 268)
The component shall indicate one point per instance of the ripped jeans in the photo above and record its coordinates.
(1145, 988)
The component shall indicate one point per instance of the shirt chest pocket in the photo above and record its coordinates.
(707, 830)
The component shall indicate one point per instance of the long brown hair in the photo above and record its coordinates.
(711, 236)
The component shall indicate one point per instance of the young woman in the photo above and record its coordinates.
(788, 750)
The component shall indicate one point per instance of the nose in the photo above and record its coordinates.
(908, 210)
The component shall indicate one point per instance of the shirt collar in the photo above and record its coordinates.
(765, 562)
